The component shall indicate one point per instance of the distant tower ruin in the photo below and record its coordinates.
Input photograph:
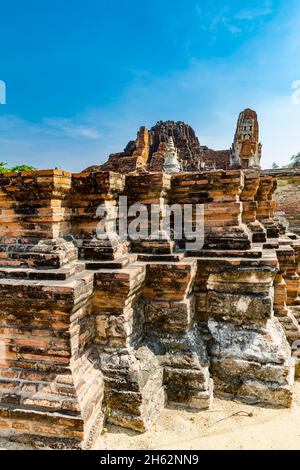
(171, 163)
(246, 149)
(173, 146)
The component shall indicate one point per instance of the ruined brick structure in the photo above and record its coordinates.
(246, 149)
(149, 150)
(288, 213)
(95, 329)
(287, 196)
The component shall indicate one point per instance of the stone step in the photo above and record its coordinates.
(40, 256)
(285, 241)
(291, 326)
(259, 237)
(295, 309)
(292, 236)
(293, 303)
(118, 263)
(253, 253)
(61, 274)
(157, 247)
(271, 243)
(163, 258)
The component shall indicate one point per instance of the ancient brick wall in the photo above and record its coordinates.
(96, 328)
(287, 196)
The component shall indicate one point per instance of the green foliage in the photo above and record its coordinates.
(275, 166)
(23, 168)
(5, 169)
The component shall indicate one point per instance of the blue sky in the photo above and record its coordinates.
(81, 77)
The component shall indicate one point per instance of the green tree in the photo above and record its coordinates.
(3, 168)
(23, 168)
(275, 166)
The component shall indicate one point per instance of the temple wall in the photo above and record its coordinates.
(287, 196)
(95, 328)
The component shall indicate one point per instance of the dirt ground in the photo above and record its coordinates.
(229, 425)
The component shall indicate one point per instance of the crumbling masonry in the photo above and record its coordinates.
(93, 329)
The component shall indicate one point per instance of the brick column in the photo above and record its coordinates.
(250, 205)
(89, 191)
(266, 205)
(219, 192)
(134, 395)
(150, 189)
(35, 218)
(173, 334)
(250, 356)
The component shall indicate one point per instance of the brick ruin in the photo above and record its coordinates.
(287, 213)
(287, 196)
(149, 150)
(95, 329)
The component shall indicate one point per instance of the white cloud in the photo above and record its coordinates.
(69, 128)
(46, 146)
(233, 22)
(254, 13)
(234, 29)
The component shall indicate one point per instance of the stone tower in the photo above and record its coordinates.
(246, 149)
(171, 163)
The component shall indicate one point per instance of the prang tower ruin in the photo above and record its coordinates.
(246, 149)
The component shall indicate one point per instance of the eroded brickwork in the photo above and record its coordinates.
(287, 197)
(246, 149)
(94, 329)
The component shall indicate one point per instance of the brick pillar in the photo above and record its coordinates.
(266, 205)
(219, 192)
(35, 218)
(250, 205)
(150, 189)
(289, 268)
(51, 390)
(134, 396)
(172, 333)
(250, 356)
(280, 295)
(89, 191)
